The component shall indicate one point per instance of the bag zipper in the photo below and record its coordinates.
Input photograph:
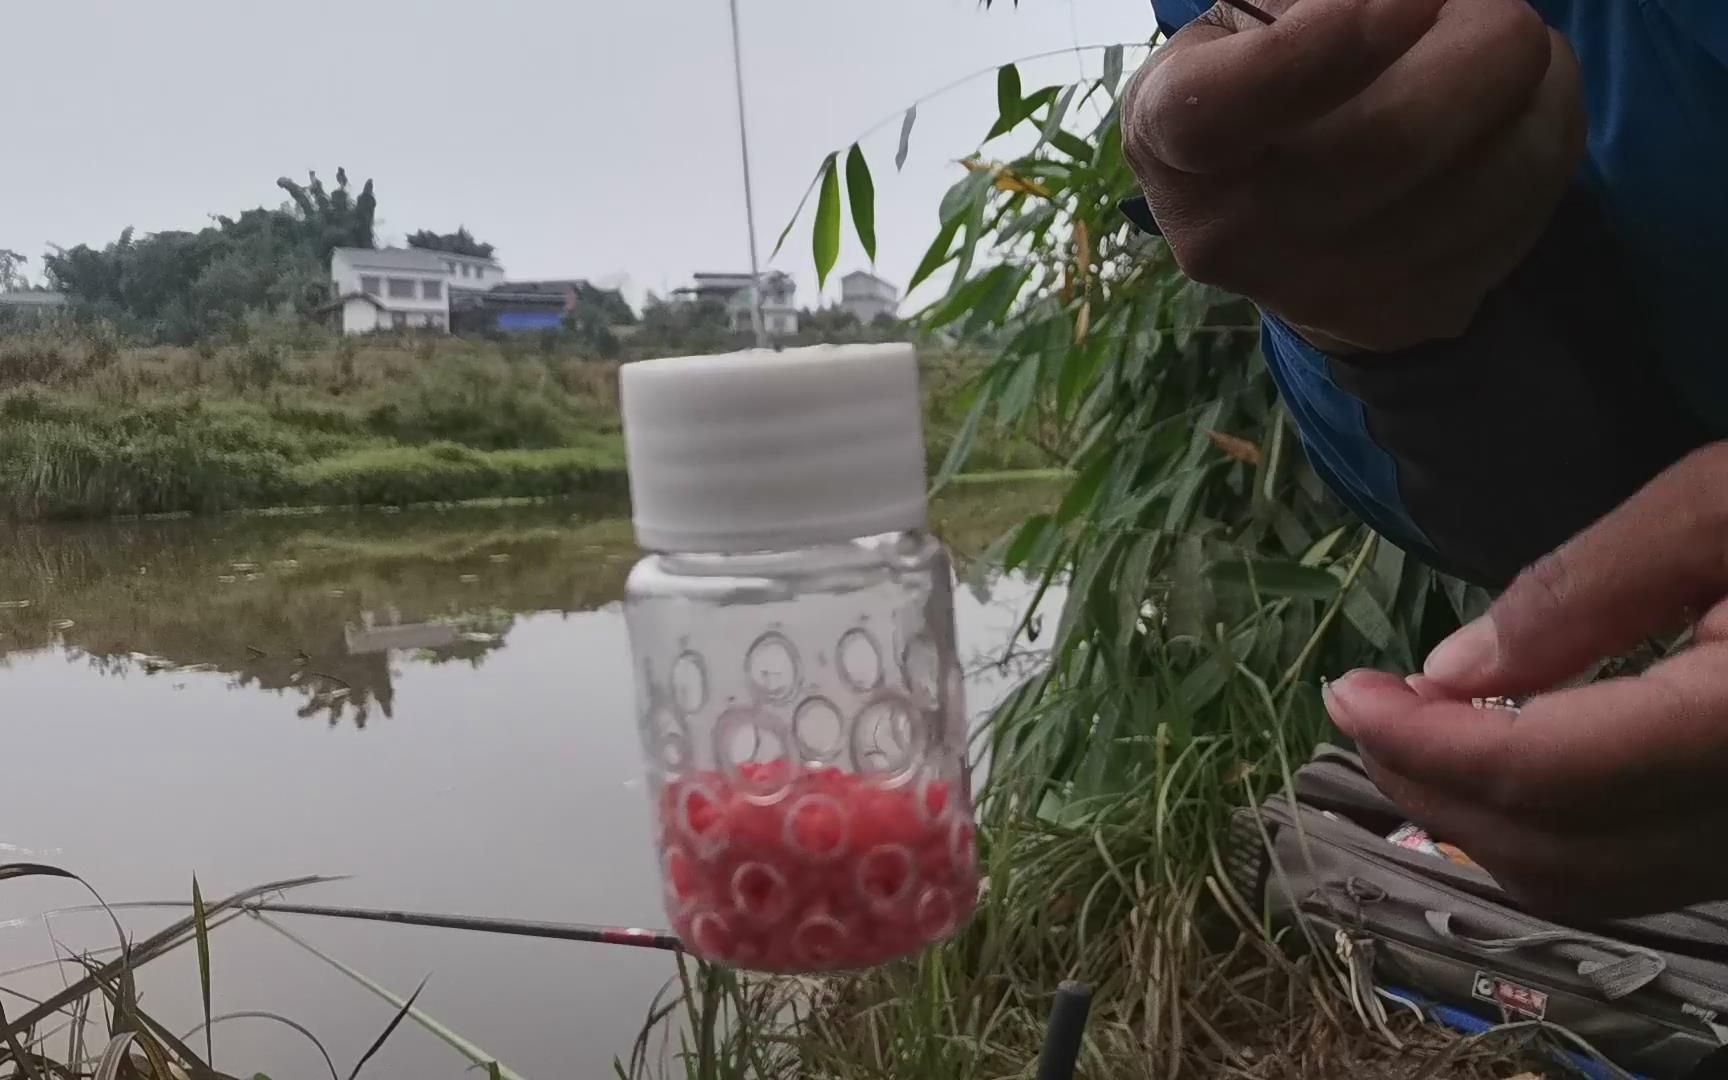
(1353, 840)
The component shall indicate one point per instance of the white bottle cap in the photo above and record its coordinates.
(763, 450)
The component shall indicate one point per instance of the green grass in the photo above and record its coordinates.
(296, 417)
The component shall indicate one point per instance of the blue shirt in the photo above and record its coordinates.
(1655, 78)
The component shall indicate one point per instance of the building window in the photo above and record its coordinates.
(467, 270)
(401, 288)
(432, 290)
(399, 319)
(450, 265)
(369, 284)
(479, 271)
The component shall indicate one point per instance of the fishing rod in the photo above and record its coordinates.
(1251, 11)
(593, 933)
(555, 931)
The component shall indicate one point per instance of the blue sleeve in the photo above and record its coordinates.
(1480, 454)
(1173, 15)
(1334, 428)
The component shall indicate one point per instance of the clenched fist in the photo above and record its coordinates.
(1364, 169)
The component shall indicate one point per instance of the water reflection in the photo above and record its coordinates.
(323, 609)
(317, 609)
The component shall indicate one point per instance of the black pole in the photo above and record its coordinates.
(607, 935)
(1067, 1025)
(1250, 10)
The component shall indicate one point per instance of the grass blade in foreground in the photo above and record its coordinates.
(389, 1029)
(156, 945)
(473, 1053)
(259, 1014)
(202, 926)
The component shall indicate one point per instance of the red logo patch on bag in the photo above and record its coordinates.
(1510, 996)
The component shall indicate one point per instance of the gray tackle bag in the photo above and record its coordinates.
(1414, 929)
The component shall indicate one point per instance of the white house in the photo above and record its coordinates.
(403, 288)
(779, 316)
(867, 297)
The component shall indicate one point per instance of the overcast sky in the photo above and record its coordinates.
(583, 138)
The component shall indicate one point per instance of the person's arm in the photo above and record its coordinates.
(1483, 452)
(1498, 392)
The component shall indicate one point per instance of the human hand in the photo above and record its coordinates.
(1611, 798)
(1365, 169)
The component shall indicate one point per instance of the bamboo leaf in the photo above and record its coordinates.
(962, 444)
(825, 239)
(1072, 145)
(993, 305)
(861, 192)
(1084, 490)
(905, 138)
(1367, 616)
(799, 212)
(1032, 221)
(1276, 578)
(1112, 68)
(1007, 95)
(1058, 112)
(963, 298)
(937, 255)
(1025, 539)
(959, 199)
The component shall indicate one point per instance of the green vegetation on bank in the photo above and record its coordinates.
(294, 416)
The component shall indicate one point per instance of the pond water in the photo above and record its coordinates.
(437, 703)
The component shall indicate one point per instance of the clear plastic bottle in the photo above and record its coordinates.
(798, 686)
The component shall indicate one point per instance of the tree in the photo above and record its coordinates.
(12, 276)
(333, 219)
(460, 242)
(177, 286)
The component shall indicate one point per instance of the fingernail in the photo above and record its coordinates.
(1466, 654)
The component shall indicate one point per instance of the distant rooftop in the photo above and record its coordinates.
(394, 258)
(856, 274)
(457, 255)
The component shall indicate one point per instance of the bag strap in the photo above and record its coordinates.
(1631, 970)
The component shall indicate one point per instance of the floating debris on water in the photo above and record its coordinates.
(478, 638)
(13, 605)
(61, 624)
(468, 579)
(242, 567)
(251, 577)
(286, 564)
(337, 594)
(227, 579)
(501, 556)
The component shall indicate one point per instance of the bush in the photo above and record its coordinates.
(446, 472)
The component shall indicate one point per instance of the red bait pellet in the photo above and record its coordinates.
(827, 871)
